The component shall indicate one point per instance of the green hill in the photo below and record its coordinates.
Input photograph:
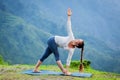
(18, 39)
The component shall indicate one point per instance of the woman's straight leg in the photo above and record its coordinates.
(46, 54)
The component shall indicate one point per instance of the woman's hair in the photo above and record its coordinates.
(80, 45)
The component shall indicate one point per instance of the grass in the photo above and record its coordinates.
(12, 72)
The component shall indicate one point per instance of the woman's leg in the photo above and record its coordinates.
(46, 54)
(37, 66)
(60, 65)
(58, 61)
(54, 49)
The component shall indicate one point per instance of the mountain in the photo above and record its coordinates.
(26, 25)
(102, 17)
(18, 39)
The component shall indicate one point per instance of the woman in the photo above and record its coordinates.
(66, 42)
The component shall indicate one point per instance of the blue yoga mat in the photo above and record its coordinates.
(42, 72)
(48, 72)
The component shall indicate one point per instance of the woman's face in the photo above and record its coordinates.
(77, 42)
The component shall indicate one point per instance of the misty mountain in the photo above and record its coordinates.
(26, 25)
(18, 39)
(101, 16)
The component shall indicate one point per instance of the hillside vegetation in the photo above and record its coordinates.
(13, 72)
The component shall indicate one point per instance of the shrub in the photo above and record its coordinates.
(2, 61)
(75, 64)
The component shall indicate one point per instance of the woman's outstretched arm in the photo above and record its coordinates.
(69, 28)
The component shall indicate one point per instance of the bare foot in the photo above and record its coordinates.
(35, 71)
(67, 73)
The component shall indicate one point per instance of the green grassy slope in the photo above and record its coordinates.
(12, 72)
(19, 38)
